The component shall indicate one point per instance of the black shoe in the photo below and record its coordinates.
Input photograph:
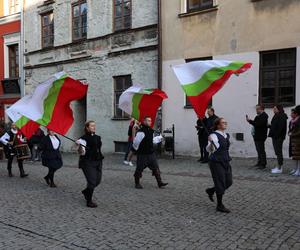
(91, 204)
(162, 184)
(138, 186)
(222, 209)
(53, 185)
(204, 161)
(10, 174)
(23, 175)
(210, 194)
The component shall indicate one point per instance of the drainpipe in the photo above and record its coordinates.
(22, 43)
(159, 57)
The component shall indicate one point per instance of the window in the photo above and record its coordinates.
(47, 30)
(14, 6)
(13, 54)
(188, 105)
(196, 5)
(122, 14)
(79, 20)
(277, 77)
(121, 83)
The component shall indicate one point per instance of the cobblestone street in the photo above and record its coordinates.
(265, 209)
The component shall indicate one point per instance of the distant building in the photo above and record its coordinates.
(264, 32)
(10, 56)
(109, 44)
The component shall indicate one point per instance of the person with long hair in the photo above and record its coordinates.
(278, 130)
(51, 157)
(90, 160)
(219, 163)
(294, 134)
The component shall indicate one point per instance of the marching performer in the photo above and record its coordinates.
(143, 144)
(11, 139)
(90, 160)
(51, 157)
(219, 163)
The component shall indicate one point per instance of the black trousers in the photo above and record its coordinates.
(92, 171)
(144, 161)
(261, 153)
(277, 145)
(222, 176)
(10, 161)
(203, 142)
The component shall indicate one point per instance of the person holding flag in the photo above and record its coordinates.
(219, 163)
(90, 161)
(143, 144)
(10, 139)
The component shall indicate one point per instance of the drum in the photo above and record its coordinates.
(22, 151)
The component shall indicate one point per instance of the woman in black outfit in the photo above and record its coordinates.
(90, 160)
(219, 163)
(51, 157)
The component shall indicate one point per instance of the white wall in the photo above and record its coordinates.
(238, 98)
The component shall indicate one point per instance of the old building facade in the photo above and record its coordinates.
(263, 32)
(109, 44)
(11, 69)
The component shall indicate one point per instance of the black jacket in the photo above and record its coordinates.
(278, 126)
(50, 156)
(93, 148)
(210, 123)
(146, 146)
(260, 124)
(201, 128)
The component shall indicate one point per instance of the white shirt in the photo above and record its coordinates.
(54, 141)
(82, 144)
(212, 147)
(5, 138)
(140, 136)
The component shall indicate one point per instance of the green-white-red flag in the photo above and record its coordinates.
(49, 105)
(139, 102)
(200, 80)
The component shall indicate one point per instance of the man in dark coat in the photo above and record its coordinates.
(278, 130)
(260, 132)
(202, 138)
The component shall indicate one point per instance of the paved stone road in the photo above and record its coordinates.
(265, 209)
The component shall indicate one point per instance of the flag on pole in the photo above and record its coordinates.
(200, 80)
(49, 105)
(139, 102)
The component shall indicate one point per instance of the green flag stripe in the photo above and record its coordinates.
(136, 99)
(50, 101)
(22, 122)
(196, 88)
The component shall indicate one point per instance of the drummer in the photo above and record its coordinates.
(10, 139)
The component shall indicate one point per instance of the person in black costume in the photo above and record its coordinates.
(10, 139)
(219, 163)
(202, 138)
(143, 144)
(90, 161)
(51, 157)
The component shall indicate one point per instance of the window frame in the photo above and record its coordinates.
(116, 92)
(187, 104)
(42, 29)
(16, 58)
(122, 17)
(188, 10)
(79, 3)
(13, 6)
(277, 68)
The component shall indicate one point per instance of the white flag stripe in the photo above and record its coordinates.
(193, 71)
(32, 106)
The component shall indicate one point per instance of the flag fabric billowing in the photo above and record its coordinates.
(200, 80)
(139, 102)
(49, 105)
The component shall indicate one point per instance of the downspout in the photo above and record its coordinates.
(22, 80)
(159, 57)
